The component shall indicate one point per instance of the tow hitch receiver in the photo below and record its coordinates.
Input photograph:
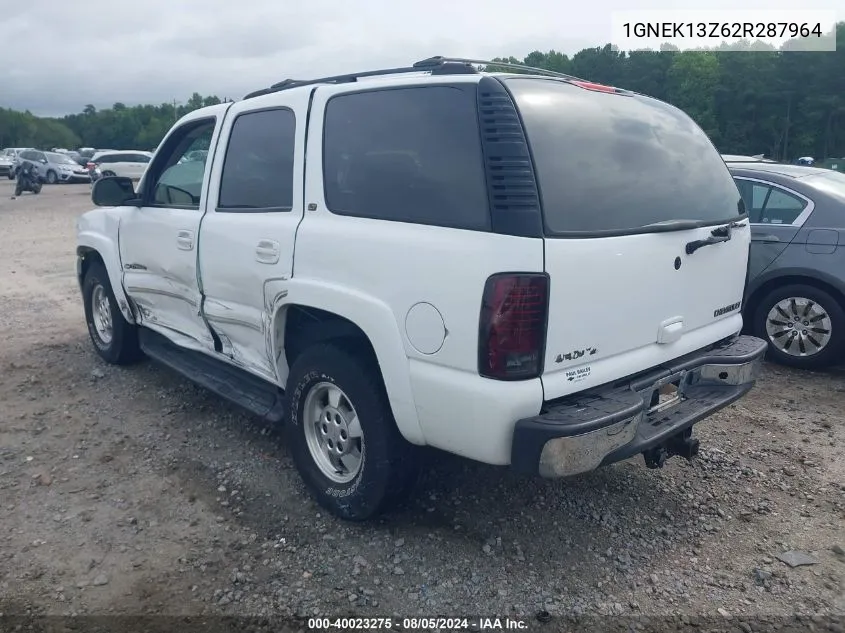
(683, 445)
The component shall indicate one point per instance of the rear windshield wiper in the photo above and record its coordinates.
(717, 235)
(674, 225)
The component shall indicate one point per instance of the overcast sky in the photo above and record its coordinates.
(58, 55)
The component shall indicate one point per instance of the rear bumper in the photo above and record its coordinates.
(610, 424)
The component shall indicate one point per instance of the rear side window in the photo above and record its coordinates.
(614, 164)
(407, 155)
(769, 205)
(258, 169)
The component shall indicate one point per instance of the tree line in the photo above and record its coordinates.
(783, 103)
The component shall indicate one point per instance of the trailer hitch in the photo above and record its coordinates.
(683, 445)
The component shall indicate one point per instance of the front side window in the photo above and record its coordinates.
(258, 168)
(617, 164)
(172, 182)
(407, 155)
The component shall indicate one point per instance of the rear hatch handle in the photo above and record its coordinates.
(717, 235)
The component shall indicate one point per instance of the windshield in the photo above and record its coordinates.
(832, 183)
(61, 159)
(613, 164)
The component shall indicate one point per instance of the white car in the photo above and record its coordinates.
(126, 163)
(8, 160)
(522, 269)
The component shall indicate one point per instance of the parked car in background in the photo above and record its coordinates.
(795, 296)
(10, 154)
(55, 167)
(127, 163)
(6, 163)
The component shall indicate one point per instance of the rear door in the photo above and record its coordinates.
(248, 232)
(631, 187)
(776, 215)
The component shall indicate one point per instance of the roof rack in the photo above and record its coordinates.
(435, 65)
(433, 61)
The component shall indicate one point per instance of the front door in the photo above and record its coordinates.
(159, 239)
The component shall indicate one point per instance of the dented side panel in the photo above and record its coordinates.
(97, 230)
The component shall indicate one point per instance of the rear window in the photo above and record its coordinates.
(613, 164)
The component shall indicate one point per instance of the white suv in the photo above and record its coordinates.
(522, 269)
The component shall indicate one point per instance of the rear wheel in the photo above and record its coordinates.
(343, 437)
(804, 326)
(114, 338)
(107, 173)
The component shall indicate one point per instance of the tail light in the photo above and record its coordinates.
(512, 326)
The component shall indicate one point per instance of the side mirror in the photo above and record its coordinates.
(43, 161)
(113, 191)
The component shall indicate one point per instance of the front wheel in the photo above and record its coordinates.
(36, 188)
(11, 175)
(51, 177)
(804, 326)
(114, 338)
(107, 174)
(341, 432)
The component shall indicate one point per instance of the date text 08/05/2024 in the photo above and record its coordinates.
(715, 30)
(415, 624)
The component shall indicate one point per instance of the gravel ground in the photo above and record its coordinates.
(131, 491)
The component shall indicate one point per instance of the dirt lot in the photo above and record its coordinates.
(128, 491)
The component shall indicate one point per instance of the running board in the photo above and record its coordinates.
(254, 394)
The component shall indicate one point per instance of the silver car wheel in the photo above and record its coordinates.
(333, 432)
(101, 314)
(798, 326)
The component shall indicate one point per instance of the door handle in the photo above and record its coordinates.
(267, 252)
(768, 238)
(185, 240)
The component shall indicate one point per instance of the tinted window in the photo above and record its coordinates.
(137, 158)
(106, 158)
(410, 155)
(613, 163)
(258, 169)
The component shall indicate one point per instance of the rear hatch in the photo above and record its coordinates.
(629, 186)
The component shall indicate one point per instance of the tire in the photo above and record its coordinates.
(774, 320)
(11, 175)
(388, 464)
(107, 174)
(51, 177)
(121, 347)
(36, 188)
